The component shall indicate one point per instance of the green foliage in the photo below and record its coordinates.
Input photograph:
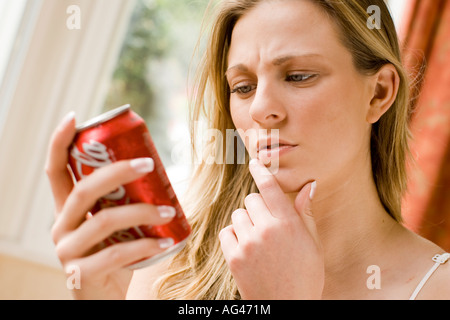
(146, 39)
(158, 30)
(150, 36)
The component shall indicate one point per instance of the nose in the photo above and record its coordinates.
(267, 108)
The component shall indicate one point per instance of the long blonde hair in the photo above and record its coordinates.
(200, 271)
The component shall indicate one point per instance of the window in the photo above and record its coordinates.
(56, 69)
(151, 75)
(11, 13)
(53, 70)
(17, 19)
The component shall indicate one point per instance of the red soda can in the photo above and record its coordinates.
(118, 135)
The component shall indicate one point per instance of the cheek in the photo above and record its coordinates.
(236, 115)
(334, 122)
(241, 117)
(242, 123)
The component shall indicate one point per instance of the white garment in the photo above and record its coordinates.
(439, 260)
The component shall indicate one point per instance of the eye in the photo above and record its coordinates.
(299, 77)
(244, 89)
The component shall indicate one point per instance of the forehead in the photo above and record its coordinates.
(282, 28)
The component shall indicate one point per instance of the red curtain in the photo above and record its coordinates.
(426, 43)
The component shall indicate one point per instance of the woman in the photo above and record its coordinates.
(315, 225)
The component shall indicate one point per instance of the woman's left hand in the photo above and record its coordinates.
(273, 248)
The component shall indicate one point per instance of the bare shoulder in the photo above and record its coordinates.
(438, 287)
(142, 283)
(421, 261)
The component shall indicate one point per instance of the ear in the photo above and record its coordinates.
(387, 82)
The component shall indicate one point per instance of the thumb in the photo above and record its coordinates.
(303, 206)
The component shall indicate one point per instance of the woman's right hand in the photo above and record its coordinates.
(103, 273)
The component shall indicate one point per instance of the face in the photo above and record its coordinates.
(289, 73)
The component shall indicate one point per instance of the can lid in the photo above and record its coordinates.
(103, 118)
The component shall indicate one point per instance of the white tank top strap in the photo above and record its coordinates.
(439, 260)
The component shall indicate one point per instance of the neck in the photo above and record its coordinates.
(354, 228)
(351, 221)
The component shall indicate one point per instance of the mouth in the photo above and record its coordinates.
(267, 148)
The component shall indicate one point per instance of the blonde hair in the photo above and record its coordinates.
(200, 271)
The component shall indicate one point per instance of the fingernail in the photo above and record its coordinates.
(143, 165)
(167, 212)
(166, 243)
(68, 118)
(313, 190)
(254, 162)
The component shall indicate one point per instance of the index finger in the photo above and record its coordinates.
(57, 160)
(276, 200)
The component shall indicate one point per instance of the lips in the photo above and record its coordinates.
(274, 146)
(266, 145)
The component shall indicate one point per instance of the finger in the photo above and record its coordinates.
(275, 199)
(303, 206)
(242, 225)
(228, 241)
(97, 185)
(93, 231)
(57, 159)
(119, 256)
(257, 210)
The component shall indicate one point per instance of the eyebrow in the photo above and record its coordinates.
(281, 60)
(278, 61)
(239, 66)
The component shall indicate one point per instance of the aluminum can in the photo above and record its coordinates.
(118, 135)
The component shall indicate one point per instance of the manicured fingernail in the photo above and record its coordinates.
(166, 243)
(143, 165)
(68, 118)
(313, 190)
(167, 212)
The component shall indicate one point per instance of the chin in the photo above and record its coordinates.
(289, 180)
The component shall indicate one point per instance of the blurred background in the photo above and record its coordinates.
(91, 56)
